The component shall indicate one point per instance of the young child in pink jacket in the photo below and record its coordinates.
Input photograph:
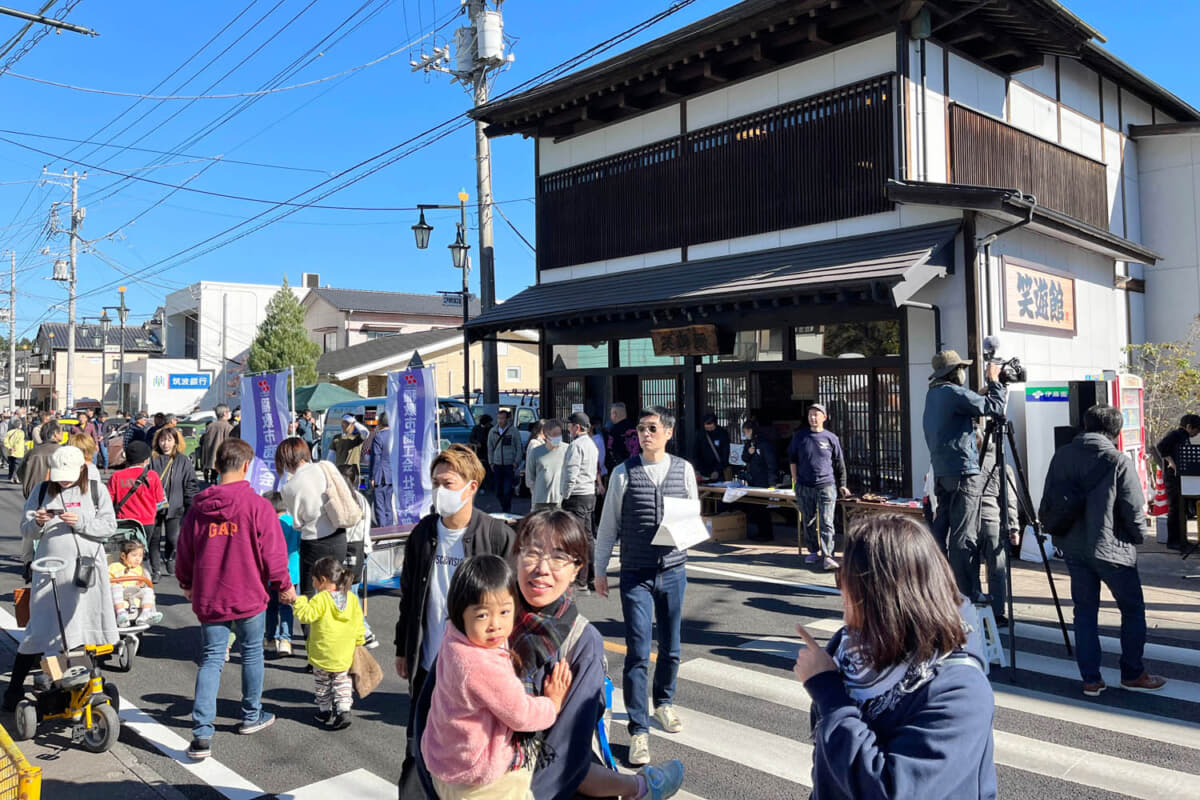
(478, 701)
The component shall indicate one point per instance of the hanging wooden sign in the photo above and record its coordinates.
(693, 340)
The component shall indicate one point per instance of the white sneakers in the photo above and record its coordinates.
(669, 720)
(639, 749)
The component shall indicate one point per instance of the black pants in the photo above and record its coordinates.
(163, 538)
(582, 506)
(409, 786)
(22, 666)
(313, 550)
(1176, 513)
(12, 466)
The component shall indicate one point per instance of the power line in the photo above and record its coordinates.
(520, 235)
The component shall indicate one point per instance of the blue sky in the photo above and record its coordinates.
(315, 132)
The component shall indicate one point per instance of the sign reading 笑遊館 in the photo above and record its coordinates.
(693, 340)
(1037, 299)
(192, 381)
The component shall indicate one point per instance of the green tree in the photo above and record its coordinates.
(1172, 382)
(282, 340)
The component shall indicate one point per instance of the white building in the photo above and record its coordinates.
(214, 323)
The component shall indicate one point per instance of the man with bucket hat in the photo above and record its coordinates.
(949, 422)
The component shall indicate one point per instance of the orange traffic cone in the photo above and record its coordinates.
(1160, 495)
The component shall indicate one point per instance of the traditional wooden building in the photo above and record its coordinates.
(798, 200)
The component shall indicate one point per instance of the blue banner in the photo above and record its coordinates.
(412, 414)
(265, 418)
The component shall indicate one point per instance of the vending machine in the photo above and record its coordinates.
(1127, 394)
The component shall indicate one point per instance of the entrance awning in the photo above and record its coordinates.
(884, 268)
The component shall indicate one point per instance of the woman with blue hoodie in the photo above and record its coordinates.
(900, 709)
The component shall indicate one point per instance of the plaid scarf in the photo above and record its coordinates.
(534, 643)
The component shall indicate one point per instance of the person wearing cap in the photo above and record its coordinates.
(710, 455)
(579, 486)
(818, 477)
(137, 491)
(347, 446)
(65, 519)
(138, 431)
(949, 422)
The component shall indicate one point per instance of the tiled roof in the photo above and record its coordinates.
(391, 302)
(87, 337)
(354, 360)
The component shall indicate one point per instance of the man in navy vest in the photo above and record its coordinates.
(653, 578)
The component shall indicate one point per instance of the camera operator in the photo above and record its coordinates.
(949, 422)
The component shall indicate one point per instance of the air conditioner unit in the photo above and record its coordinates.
(310, 280)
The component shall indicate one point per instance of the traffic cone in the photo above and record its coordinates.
(1160, 495)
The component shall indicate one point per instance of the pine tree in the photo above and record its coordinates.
(282, 340)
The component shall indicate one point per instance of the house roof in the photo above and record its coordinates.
(876, 268)
(360, 358)
(756, 36)
(426, 305)
(138, 339)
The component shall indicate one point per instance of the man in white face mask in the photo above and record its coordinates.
(442, 540)
(543, 470)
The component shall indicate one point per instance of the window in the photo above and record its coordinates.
(579, 356)
(760, 345)
(848, 340)
(512, 374)
(372, 335)
(640, 353)
(329, 342)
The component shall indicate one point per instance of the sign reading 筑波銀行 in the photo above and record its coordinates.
(693, 340)
(1037, 299)
(192, 381)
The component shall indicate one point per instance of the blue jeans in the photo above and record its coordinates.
(279, 620)
(505, 477)
(646, 595)
(101, 457)
(1126, 588)
(816, 510)
(383, 505)
(214, 639)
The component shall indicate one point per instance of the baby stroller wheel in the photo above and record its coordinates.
(106, 727)
(125, 653)
(26, 719)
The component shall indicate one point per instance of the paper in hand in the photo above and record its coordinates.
(681, 525)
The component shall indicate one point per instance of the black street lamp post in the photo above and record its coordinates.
(459, 254)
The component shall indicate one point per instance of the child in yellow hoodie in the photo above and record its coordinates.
(335, 621)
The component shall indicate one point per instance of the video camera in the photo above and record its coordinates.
(1011, 371)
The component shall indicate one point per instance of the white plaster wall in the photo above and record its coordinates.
(1114, 144)
(626, 264)
(1032, 112)
(629, 134)
(1041, 79)
(1134, 110)
(977, 87)
(1081, 134)
(1169, 174)
(1078, 88)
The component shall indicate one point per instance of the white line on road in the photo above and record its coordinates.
(1185, 656)
(748, 576)
(361, 783)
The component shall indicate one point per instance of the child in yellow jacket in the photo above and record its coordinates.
(335, 621)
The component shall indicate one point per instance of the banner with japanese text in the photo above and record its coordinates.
(265, 418)
(412, 409)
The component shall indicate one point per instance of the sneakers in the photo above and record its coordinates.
(669, 720)
(199, 749)
(265, 720)
(1094, 688)
(371, 642)
(812, 558)
(1144, 683)
(664, 781)
(831, 563)
(153, 618)
(268, 645)
(324, 717)
(639, 749)
(283, 647)
(340, 721)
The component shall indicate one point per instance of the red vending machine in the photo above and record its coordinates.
(1127, 393)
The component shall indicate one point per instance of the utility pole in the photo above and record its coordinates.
(479, 51)
(77, 215)
(12, 331)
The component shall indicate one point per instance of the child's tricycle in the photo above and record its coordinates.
(72, 691)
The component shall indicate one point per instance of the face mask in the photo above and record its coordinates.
(448, 502)
(554, 441)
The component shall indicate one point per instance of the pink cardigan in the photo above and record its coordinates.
(477, 703)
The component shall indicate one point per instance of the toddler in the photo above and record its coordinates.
(278, 635)
(134, 600)
(335, 623)
(478, 701)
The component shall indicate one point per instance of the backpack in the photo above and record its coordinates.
(1065, 500)
(341, 507)
(600, 744)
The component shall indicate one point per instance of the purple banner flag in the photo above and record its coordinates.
(265, 418)
(412, 411)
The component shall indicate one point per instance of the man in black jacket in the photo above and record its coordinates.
(1101, 546)
(710, 455)
(1168, 450)
(758, 454)
(454, 532)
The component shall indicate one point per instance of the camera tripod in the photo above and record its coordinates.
(999, 428)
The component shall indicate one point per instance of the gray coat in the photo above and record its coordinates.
(989, 506)
(87, 614)
(1114, 521)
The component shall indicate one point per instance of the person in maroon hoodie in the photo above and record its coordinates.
(231, 552)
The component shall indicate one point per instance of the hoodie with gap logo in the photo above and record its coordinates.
(231, 552)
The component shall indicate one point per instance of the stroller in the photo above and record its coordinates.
(128, 530)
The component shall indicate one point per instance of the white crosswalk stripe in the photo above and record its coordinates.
(1109, 644)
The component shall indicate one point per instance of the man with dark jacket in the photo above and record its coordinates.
(758, 454)
(380, 448)
(1168, 451)
(506, 454)
(36, 464)
(1101, 546)
(139, 430)
(214, 436)
(454, 532)
(818, 469)
(949, 422)
(710, 454)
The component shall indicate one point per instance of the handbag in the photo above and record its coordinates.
(21, 601)
(341, 507)
(85, 568)
(365, 672)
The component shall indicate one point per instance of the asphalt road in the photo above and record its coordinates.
(746, 720)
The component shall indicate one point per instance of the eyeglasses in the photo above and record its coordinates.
(650, 428)
(557, 561)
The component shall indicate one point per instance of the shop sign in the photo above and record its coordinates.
(1037, 299)
(189, 381)
(1047, 394)
(693, 340)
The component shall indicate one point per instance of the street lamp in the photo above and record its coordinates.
(122, 316)
(459, 256)
(105, 326)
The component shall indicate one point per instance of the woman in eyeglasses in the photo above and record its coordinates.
(899, 707)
